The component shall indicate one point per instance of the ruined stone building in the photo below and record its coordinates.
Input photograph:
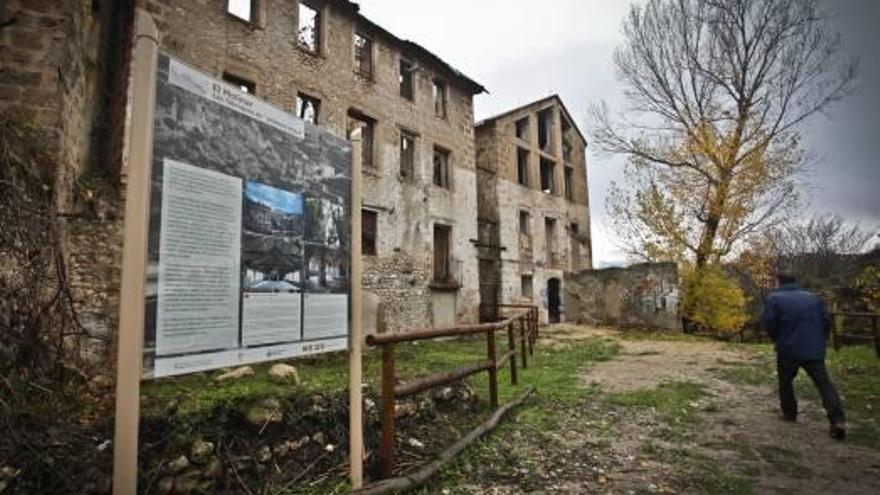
(327, 63)
(533, 207)
(65, 67)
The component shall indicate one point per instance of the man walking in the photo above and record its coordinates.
(798, 323)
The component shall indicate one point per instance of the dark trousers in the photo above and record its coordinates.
(787, 369)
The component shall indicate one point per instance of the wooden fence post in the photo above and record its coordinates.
(533, 324)
(511, 347)
(386, 447)
(876, 334)
(836, 327)
(525, 342)
(493, 370)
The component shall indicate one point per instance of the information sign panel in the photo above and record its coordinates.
(249, 237)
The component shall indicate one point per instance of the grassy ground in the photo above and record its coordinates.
(564, 436)
(855, 371)
(512, 452)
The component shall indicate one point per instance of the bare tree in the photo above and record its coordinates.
(717, 93)
(822, 252)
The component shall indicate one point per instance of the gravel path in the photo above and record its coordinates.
(740, 427)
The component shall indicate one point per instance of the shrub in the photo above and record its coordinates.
(713, 300)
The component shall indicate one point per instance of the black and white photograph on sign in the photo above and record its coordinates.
(272, 261)
(326, 267)
(219, 146)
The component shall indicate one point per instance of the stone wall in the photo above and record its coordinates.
(63, 67)
(203, 35)
(643, 295)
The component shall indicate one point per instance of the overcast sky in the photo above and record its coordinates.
(522, 51)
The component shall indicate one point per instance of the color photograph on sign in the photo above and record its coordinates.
(249, 240)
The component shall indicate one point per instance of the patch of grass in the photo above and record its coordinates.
(855, 370)
(714, 479)
(747, 374)
(662, 336)
(558, 402)
(675, 403)
(199, 394)
(696, 473)
(784, 460)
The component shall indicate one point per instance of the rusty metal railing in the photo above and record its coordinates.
(840, 338)
(525, 321)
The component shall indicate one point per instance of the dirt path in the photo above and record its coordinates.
(739, 426)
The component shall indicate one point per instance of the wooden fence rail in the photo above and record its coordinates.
(524, 320)
(840, 338)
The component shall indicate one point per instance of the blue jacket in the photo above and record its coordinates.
(797, 322)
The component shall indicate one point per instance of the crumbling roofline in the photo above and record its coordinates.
(410, 49)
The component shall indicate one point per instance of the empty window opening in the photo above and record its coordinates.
(406, 78)
(407, 155)
(308, 108)
(441, 168)
(442, 239)
(522, 166)
(243, 9)
(545, 129)
(569, 183)
(566, 150)
(241, 83)
(369, 221)
(440, 98)
(367, 125)
(309, 28)
(548, 170)
(363, 55)
(524, 222)
(526, 289)
(522, 129)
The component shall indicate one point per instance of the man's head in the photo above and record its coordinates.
(785, 278)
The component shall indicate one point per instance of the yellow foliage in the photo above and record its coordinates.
(712, 299)
(868, 284)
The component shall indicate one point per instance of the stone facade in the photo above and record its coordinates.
(644, 295)
(63, 68)
(55, 64)
(533, 207)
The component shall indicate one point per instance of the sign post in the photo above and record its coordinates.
(238, 219)
(134, 256)
(356, 423)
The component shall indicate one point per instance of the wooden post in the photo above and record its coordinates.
(386, 447)
(511, 347)
(533, 330)
(876, 334)
(129, 359)
(355, 399)
(837, 323)
(525, 341)
(493, 371)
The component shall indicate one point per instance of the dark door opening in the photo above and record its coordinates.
(553, 300)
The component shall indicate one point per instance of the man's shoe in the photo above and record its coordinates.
(838, 431)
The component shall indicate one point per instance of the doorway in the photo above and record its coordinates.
(554, 301)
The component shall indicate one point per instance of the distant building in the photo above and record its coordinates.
(533, 213)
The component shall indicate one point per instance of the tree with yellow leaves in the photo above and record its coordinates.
(717, 92)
